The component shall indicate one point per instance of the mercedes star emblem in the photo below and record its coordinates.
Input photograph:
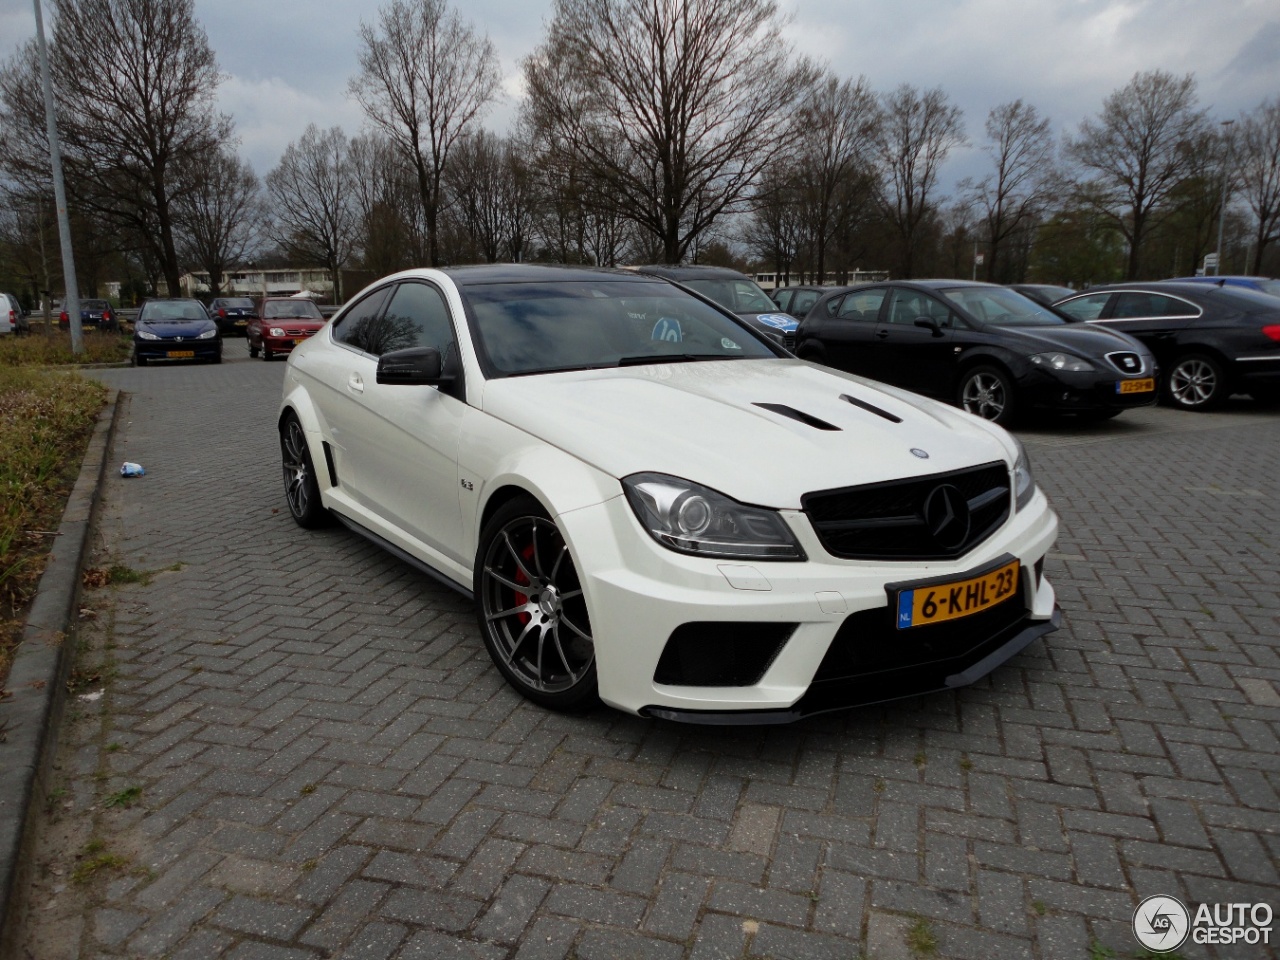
(946, 514)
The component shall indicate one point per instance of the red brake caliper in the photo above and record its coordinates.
(526, 554)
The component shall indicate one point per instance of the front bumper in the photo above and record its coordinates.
(1061, 391)
(838, 651)
(150, 350)
(232, 326)
(283, 345)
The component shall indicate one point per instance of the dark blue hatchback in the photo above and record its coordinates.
(175, 330)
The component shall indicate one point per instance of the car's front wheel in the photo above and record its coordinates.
(253, 352)
(1195, 382)
(987, 392)
(301, 491)
(532, 610)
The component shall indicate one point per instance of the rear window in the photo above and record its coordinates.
(237, 303)
(94, 305)
(1246, 300)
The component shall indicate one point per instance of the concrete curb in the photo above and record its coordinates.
(38, 677)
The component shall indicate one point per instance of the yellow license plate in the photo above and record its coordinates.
(298, 340)
(935, 603)
(1135, 386)
(174, 354)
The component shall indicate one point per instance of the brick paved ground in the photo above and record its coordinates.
(329, 766)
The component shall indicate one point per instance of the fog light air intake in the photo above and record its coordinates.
(721, 653)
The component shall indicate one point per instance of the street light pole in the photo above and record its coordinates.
(1222, 207)
(72, 301)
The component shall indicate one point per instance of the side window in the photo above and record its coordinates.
(417, 317)
(1132, 305)
(358, 327)
(862, 305)
(1171, 307)
(1085, 308)
(804, 302)
(908, 306)
(782, 298)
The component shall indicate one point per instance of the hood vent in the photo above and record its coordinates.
(799, 415)
(871, 408)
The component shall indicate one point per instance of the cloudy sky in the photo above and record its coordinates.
(287, 62)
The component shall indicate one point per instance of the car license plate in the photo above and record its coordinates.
(922, 605)
(1135, 386)
(242, 323)
(174, 354)
(298, 340)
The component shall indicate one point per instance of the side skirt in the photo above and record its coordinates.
(401, 554)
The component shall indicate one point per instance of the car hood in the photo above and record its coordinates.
(1084, 341)
(294, 323)
(175, 328)
(703, 422)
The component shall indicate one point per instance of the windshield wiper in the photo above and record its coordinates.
(643, 359)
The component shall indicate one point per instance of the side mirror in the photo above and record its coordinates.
(413, 366)
(930, 324)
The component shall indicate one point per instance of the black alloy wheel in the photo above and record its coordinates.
(301, 490)
(1196, 381)
(987, 392)
(531, 608)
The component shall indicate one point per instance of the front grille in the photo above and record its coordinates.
(1127, 362)
(887, 521)
(789, 341)
(721, 654)
(869, 641)
(296, 332)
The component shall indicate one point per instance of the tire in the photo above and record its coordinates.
(266, 354)
(1195, 381)
(301, 492)
(253, 352)
(139, 361)
(540, 640)
(987, 392)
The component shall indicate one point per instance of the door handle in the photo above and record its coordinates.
(882, 334)
(355, 383)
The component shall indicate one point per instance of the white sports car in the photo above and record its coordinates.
(655, 505)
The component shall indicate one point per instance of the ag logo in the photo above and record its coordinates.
(1161, 924)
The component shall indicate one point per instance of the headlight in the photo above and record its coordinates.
(1024, 484)
(147, 335)
(276, 331)
(690, 518)
(208, 334)
(1062, 361)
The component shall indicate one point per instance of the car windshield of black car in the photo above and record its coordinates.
(527, 328)
(740, 296)
(1002, 307)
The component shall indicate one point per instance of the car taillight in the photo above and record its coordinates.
(1272, 330)
(62, 317)
(221, 312)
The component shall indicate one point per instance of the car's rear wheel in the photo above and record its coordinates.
(987, 392)
(1196, 381)
(301, 491)
(532, 610)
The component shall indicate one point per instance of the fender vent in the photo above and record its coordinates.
(798, 415)
(870, 408)
(328, 462)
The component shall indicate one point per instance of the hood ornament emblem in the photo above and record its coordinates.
(922, 454)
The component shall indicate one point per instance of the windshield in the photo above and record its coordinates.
(528, 328)
(740, 296)
(291, 310)
(1000, 306)
(173, 310)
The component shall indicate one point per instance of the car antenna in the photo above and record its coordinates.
(1222, 281)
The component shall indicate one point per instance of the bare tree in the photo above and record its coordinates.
(425, 78)
(1020, 145)
(917, 132)
(221, 216)
(839, 120)
(135, 82)
(775, 227)
(698, 93)
(310, 194)
(1134, 152)
(476, 179)
(1259, 174)
(390, 230)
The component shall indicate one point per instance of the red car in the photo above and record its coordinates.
(281, 324)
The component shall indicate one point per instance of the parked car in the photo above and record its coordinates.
(986, 348)
(175, 329)
(232, 314)
(94, 315)
(1261, 284)
(735, 292)
(282, 324)
(12, 317)
(1210, 340)
(1046, 294)
(699, 528)
(798, 300)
